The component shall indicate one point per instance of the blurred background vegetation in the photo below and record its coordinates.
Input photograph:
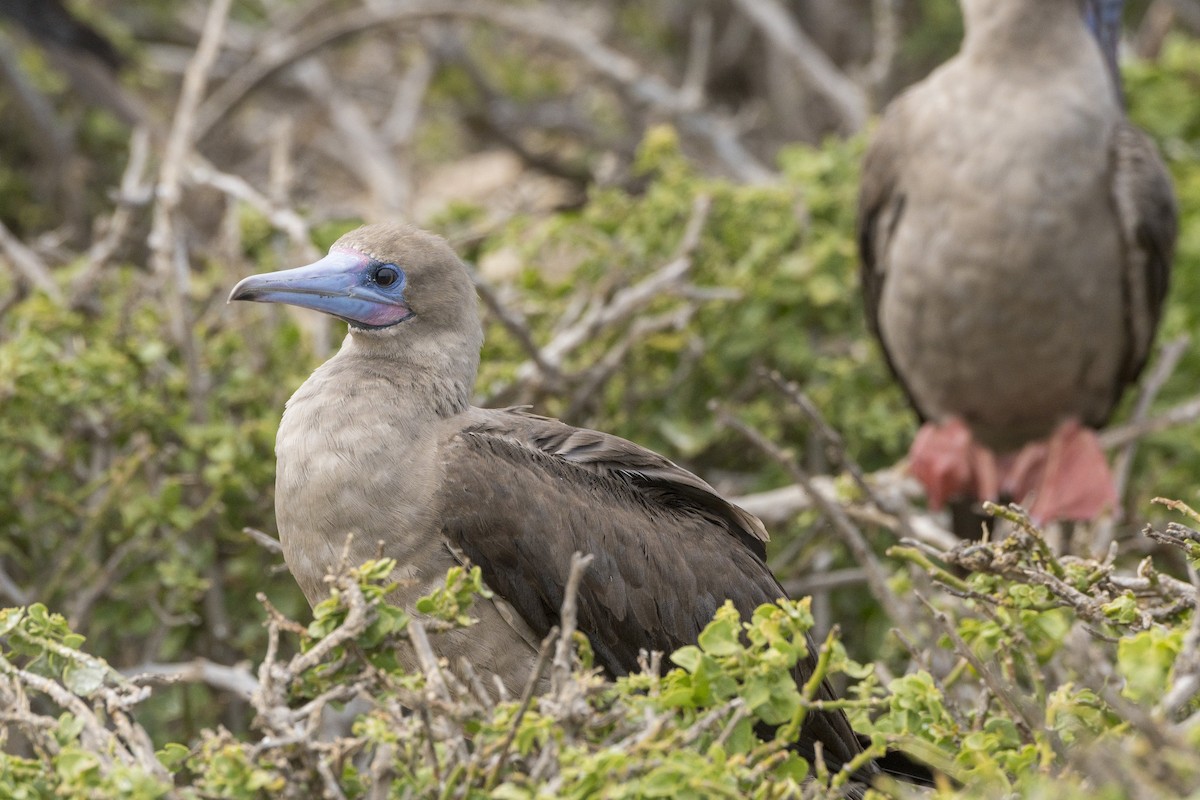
(563, 148)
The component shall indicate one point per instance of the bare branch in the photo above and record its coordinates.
(1181, 414)
(628, 301)
(133, 189)
(885, 19)
(824, 581)
(237, 679)
(1008, 695)
(12, 590)
(1170, 354)
(836, 449)
(27, 265)
(270, 543)
(845, 97)
(536, 22)
(516, 325)
(698, 56)
(567, 620)
(287, 220)
(531, 686)
(168, 250)
(849, 532)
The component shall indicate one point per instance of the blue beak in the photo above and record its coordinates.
(342, 284)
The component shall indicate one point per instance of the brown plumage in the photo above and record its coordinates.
(382, 441)
(1016, 234)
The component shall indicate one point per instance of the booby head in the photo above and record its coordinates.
(374, 278)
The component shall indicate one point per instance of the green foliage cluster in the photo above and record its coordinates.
(788, 255)
(1044, 720)
(1161, 100)
(694, 726)
(126, 490)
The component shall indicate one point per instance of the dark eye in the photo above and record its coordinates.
(387, 275)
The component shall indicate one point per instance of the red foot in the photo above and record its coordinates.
(949, 463)
(1064, 478)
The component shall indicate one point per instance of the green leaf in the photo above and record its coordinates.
(173, 756)
(1145, 660)
(721, 636)
(85, 676)
(688, 657)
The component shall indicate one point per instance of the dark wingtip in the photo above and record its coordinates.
(905, 768)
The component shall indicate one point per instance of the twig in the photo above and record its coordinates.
(475, 683)
(287, 220)
(400, 124)
(515, 325)
(1104, 532)
(27, 265)
(845, 97)
(568, 620)
(1185, 672)
(602, 315)
(355, 623)
(699, 53)
(1188, 12)
(885, 23)
(592, 380)
(1157, 22)
(849, 532)
(236, 679)
(1006, 694)
(505, 120)
(531, 685)
(628, 301)
(824, 581)
(10, 589)
(740, 712)
(107, 574)
(329, 781)
(1180, 414)
(536, 22)
(1159, 736)
(784, 503)
(435, 682)
(836, 449)
(1168, 359)
(168, 253)
(98, 739)
(360, 147)
(183, 129)
(133, 188)
(270, 543)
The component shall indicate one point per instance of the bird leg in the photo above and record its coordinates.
(1065, 477)
(950, 464)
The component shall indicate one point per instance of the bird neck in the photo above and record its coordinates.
(1019, 31)
(437, 371)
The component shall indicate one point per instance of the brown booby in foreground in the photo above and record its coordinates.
(1016, 234)
(382, 441)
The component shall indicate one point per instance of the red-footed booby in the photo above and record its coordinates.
(382, 441)
(1016, 235)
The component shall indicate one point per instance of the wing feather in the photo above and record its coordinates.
(881, 207)
(1149, 221)
(521, 494)
(605, 454)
